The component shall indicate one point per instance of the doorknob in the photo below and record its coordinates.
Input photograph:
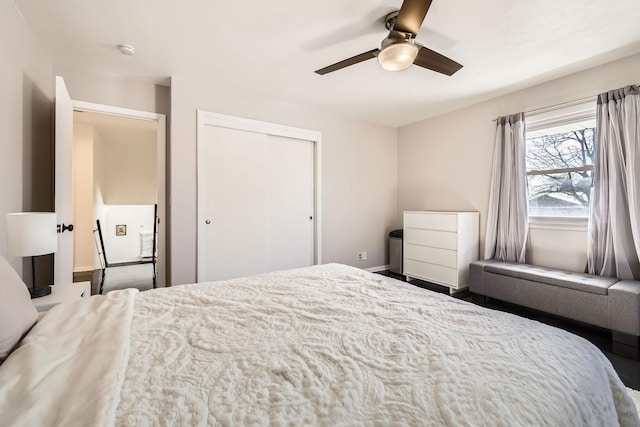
(207, 221)
(62, 228)
(310, 218)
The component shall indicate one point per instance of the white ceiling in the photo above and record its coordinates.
(273, 47)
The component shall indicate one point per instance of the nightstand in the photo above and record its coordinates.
(62, 293)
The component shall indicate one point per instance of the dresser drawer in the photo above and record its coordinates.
(432, 238)
(431, 255)
(431, 221)
(431, 273)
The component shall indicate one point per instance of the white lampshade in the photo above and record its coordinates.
(31, 233)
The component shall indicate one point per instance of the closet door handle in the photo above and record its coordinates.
(207, 221)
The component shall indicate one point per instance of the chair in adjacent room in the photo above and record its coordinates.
(140, 274)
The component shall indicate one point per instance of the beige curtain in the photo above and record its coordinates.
(508, 216)
(614, 223)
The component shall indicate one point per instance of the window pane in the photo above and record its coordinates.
(560, 147)
(560, 194)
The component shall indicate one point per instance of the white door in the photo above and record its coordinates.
(64, 108)
(255, 203)
(63, 266)
(290, 203)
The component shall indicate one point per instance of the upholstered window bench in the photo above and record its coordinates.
(596, 300)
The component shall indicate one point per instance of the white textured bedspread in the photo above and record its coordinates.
(327, 345)
(334, 345)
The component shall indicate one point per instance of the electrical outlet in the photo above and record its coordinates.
(362, 256)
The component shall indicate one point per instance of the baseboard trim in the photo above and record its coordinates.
(376, 269)
(83, 269)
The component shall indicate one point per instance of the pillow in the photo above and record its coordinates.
(17, 312)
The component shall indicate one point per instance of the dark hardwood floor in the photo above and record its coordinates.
(627, 368)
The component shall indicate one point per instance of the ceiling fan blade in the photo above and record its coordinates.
(348, 62)
(411, 16)
(432, 60)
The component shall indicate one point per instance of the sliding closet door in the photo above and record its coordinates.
(232, 230)
(290, 203)
(255, 203)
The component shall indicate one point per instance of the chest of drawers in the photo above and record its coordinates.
(438, 246)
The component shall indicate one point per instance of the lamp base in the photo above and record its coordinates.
(40, 292)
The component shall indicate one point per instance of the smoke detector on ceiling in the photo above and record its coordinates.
(127, 49)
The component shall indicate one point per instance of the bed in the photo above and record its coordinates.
(324, 345)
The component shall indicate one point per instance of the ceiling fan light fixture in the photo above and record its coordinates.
(397, 54)
(399, 50)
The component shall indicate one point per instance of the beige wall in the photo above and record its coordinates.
(129, 168)
(359, 173)
(444, 163)
(83, 246)
(98, 178)
(26, 147)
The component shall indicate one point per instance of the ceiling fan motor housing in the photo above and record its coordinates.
(390, 20)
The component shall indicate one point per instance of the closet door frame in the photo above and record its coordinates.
(207, 118)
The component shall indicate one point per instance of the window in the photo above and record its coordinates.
(560, 155)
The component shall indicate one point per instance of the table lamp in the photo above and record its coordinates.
(31, 234)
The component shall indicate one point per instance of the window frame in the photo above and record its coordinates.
(566, 113)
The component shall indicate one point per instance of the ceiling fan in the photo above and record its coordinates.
(399, 50)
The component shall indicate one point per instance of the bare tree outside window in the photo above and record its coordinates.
(560, 169)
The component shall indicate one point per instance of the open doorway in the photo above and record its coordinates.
(116, 178)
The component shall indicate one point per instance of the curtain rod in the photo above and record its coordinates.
(551, 107)
(535, 110)
(561, 104)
